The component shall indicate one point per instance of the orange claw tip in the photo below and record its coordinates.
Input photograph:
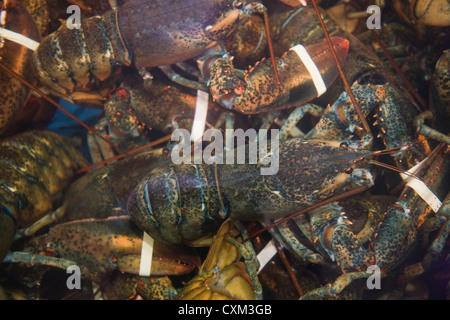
(321, 48)
(341, 46)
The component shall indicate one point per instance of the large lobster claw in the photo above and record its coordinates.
(305, 73)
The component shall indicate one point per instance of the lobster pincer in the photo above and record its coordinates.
(304, 72)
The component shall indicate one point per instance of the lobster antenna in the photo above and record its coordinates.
(400, 73)
(338, 65)
(131, 152)
(393, 150)
(269, 42)
(288, 268)
(315, 206)
(128, 153)
(393, 168)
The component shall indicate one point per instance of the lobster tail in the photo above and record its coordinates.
(87, 57)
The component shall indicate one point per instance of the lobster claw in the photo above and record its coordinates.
(225, 86)
(223, 82)
(305, 73)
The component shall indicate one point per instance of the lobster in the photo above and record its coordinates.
(394, 132)
(100, 193)
(329, 226)
(395, 236)
(115, 40)
(142, 203)
(174, 198)
(135, 106)
(209, 189)
(36, 166)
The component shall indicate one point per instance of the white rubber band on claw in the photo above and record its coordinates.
(18, 38)
(266, 255)
(421, 188)
(312, 68)
(145, 267)
(201, 111)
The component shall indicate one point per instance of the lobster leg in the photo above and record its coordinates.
(35, 260)
(436, 247)
(186, 67)
(289, 239)
(177, 78)
(251, 262)
(99, 150)
(427, 131)
(289, 128)
(331, 290)
(41, 223)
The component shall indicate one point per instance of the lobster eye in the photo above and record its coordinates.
(343, 145)
(238, 4)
